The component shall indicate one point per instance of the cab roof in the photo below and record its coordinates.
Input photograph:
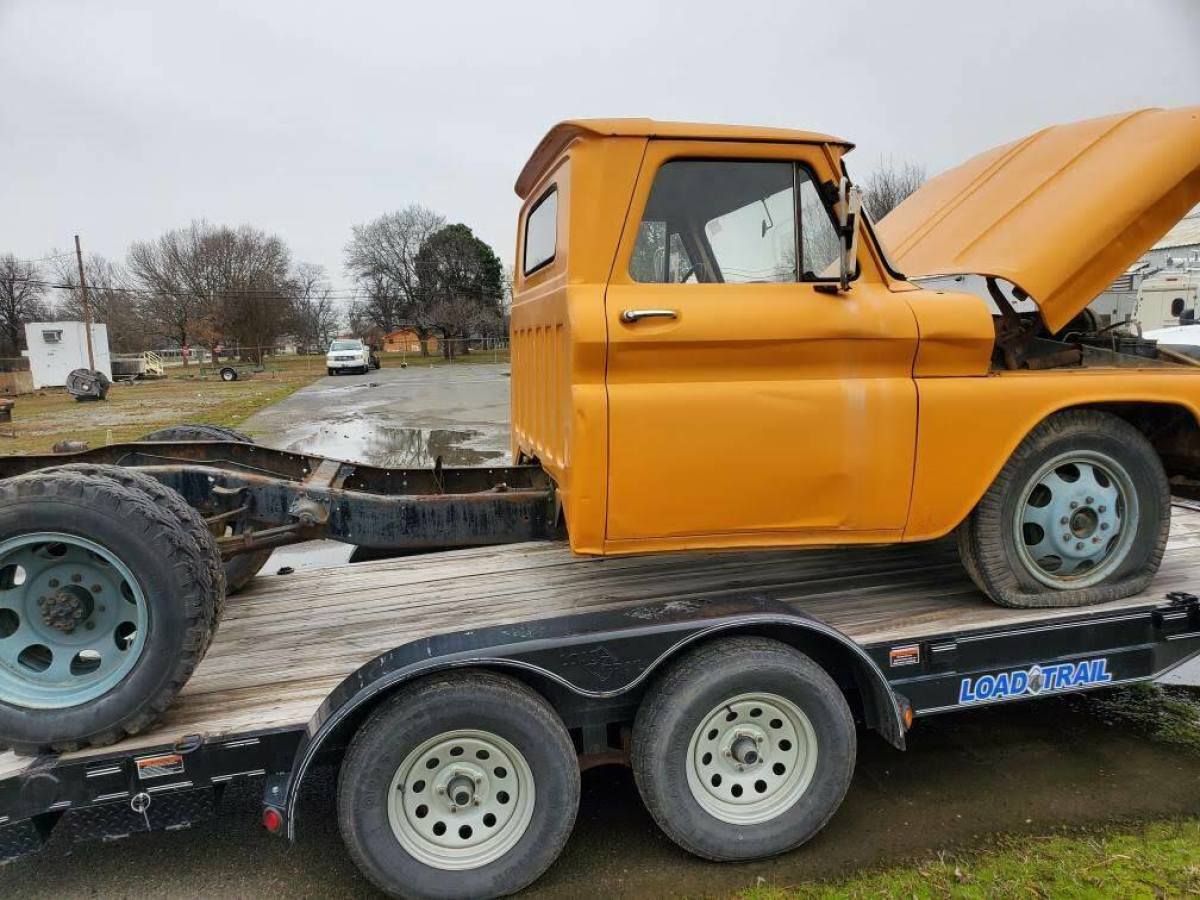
(561, 135)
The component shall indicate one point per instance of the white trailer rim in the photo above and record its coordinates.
(751, 758)
(461, 800)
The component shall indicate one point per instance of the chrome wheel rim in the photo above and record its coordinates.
(1077, 519)
(751, 758)
(461, 800)
(73, 620)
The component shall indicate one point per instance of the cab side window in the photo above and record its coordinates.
(722, 221)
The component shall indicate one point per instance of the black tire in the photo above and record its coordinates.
(239, 570)
(170, 570)
(198, 432)
(433, 706)
(330, 371)
(679, 702)
(228, 373)
(987, 540)
(213, 572)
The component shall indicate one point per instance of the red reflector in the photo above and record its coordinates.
(272, 820)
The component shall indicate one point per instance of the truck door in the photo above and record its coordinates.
(748, 405)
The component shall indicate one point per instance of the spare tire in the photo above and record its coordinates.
(213, 576)
(104, 610)
(198, 432)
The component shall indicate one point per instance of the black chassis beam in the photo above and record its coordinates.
(277, 497)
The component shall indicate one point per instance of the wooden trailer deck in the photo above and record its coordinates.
(287, 642)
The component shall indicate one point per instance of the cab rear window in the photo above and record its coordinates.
(541, 232)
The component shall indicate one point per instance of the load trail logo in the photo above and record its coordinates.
(1035, 680)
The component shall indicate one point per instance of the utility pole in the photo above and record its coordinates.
(87, 308)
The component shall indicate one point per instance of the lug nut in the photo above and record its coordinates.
(1074, 505)
(54, 582)
(1104, 526)
(1102, 509)
(1091, 500)
(1063, 520)
(440, 790)
(77, 578)
(479, 779)
(1066, 537)
(453, 808)
(759, 739)
(96, 588)
(1079, 546)
(1095, 540)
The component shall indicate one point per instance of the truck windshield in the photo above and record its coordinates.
(346, 345)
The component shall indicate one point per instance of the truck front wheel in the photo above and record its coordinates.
(1079, 514)
(743, 749)
(462, 785)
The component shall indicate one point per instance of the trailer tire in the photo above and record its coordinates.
(686, 749)
(1066, 474)
(228, 373)
(395, 783)
(212, 573)
(158, 564)
(241, 569)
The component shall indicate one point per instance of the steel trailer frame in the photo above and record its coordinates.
(593, 667)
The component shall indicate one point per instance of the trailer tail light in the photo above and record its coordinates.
(272, 820)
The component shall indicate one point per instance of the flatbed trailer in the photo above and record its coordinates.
(902, 630)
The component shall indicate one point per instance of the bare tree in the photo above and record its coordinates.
(22, 293)
(889, 184)
(461, 286)
(314, 312)
(382, 258)
(214, 284)
(113, 304)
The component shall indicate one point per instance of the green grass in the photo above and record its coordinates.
(1160, 859)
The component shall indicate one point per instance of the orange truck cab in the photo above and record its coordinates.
(714, 348)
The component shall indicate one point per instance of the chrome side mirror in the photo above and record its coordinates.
(849, 206)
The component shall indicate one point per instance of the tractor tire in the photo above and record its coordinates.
(213, 581)
(239, 570)
(198, 432)
(104, 607)
(1079, 514)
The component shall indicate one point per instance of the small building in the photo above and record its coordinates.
(1178, 249)
(58, 348)
(406, 340)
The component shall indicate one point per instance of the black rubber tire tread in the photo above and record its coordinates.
(169, 553)
(239, 570)
(188, 516)
(693, 686)
(198, 432)
(985, 540)
(446, 702)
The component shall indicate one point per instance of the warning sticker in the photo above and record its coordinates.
(908, 655)
(159, 766)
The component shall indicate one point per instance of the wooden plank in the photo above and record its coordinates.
(289, 640)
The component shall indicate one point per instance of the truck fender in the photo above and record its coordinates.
(594, 655)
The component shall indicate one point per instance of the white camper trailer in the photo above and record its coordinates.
(57, 348)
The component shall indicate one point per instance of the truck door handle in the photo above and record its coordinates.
(633, 315)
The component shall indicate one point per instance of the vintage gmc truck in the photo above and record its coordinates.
(713, 349)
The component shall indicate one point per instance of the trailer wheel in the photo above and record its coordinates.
(1079, 514)
(228, 373)
(104, 611)
(241, 569)
(743, 749)
(462, 785)
(212, 574)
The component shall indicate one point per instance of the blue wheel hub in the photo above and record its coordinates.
(73, 620)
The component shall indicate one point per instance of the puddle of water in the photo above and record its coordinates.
(392, 446)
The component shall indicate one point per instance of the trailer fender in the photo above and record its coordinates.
(596, 656)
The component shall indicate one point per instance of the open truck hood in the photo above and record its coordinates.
(1061, 213)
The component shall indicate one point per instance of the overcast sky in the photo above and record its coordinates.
(119, 120)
